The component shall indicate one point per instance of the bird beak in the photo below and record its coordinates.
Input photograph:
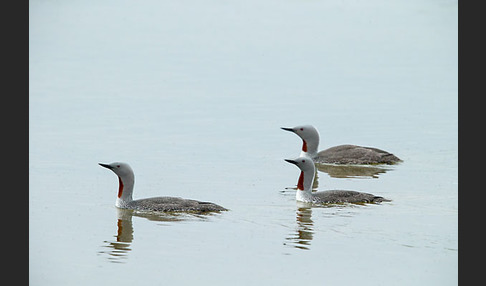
(291, 161)
(105, 165)
(287, 129)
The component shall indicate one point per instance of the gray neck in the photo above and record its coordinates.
(308, 180)
(125, 190)
(304, 186)
(309, 148)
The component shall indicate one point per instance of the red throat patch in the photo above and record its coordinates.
(120, 188)
(304, 146)
(300, 183)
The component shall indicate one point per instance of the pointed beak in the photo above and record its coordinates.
(291, 161)
(287, 129)
(105, 165)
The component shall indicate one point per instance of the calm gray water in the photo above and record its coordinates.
(193, 94)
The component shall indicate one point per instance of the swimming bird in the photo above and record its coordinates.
(126, 180)
(305, 194)
(342, 154)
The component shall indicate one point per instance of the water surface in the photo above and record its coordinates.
(193, 94)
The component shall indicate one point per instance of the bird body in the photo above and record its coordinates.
(171, 204)
(354, 154)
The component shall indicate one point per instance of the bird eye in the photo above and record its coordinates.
(118, 166)
(301, 129)
(303, 161)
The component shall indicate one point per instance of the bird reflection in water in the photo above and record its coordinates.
(353, 171)
(118, 249)
(304, 232)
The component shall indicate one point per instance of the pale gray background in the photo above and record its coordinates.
(192, 95)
